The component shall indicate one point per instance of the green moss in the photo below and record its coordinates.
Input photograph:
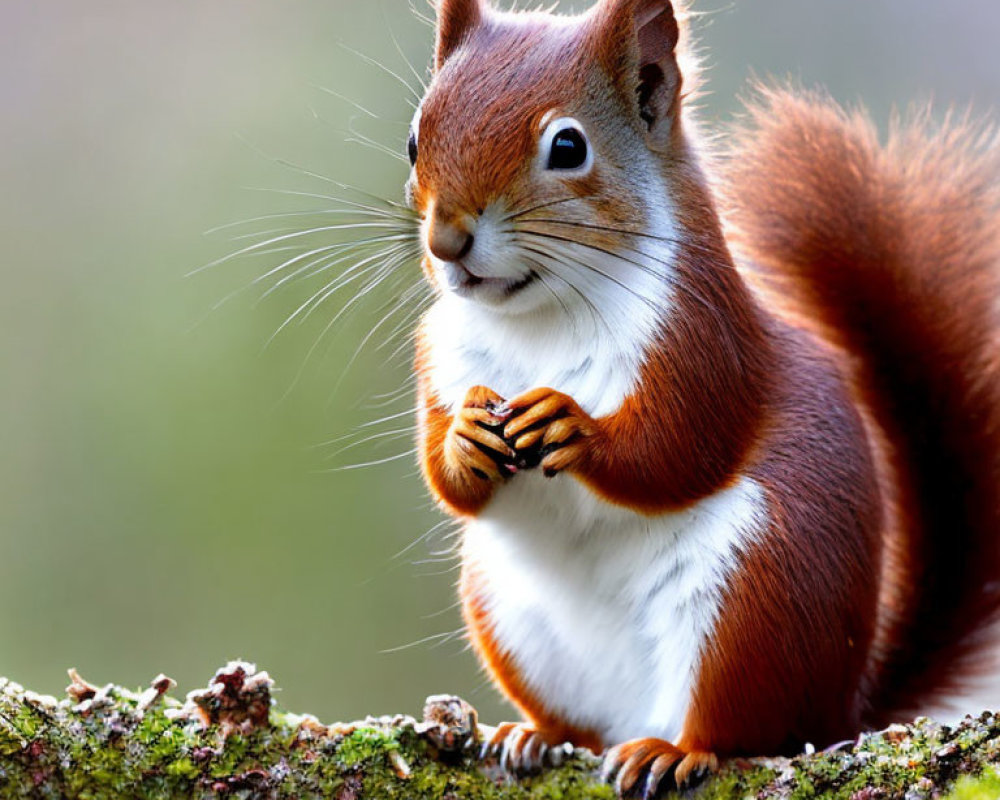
(982, 787)
(182, 768)
(366, 744)
(117, 743)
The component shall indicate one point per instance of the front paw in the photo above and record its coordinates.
(473, 449)
(645, 766)
(548, 428)
(521, 749)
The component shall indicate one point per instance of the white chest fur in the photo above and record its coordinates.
(605, 611)
(595, 360)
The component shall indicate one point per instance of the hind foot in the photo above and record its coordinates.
(521, 749)
(645, 766)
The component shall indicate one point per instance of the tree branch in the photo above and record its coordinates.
(228, 740)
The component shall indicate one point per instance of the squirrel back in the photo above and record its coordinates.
(891, 255)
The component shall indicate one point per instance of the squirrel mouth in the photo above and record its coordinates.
(467, 284)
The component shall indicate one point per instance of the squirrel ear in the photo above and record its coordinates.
(455, 20)
(636, 42)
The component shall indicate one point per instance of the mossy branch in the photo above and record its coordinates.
(229, 741)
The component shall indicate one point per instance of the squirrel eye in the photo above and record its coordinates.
(411, 148)
(568, 148)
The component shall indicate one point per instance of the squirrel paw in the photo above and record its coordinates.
(473, 449)
(646, 763)
(548, 425)
(522, 750)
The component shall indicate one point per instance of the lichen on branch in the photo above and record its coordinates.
(230, 741)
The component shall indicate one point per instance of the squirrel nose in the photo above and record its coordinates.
(450, 240)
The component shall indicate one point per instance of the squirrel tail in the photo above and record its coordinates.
(892, 255)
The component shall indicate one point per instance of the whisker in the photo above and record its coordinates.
(519, 214)
(594, 268)
(666, 278)
(376, 463)
(407, 341)
(257, 234)
(540, 272)
(375, 63)
(354, 272)
(317, 212)
(420, 80)
(382, 435)
(443, 558)
(323, 263)
(398, 211)
(356, 137)
(408, 212)
(441, 573)
(362, 427)
(381, 274)
(290, 236)
(238, 291)
(389, 418)
(328, 257)
(553, 261)
(446, 610)
(406, 323)
(325, 179)
(420, 15)
(347, 100)
(625, 231)
(389, 398)
(423, 537)
(403, 301)
(437, 638)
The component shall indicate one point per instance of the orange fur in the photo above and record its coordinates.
(892, 255)
(442, 452)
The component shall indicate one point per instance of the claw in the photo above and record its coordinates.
(652, 786)
(632, 770)
(521, 750)
(654, 762)
(657, 772)
(694, 768)
(543, 750)
(611, 764)
(510, 758)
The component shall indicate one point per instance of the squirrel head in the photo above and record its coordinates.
(538, 132)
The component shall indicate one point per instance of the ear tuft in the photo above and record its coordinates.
(659, 77)
(657, 29)
(638, 40)
(456, 19)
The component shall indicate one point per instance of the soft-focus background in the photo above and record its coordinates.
(169, 494)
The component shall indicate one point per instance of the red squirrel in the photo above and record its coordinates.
(723, 429)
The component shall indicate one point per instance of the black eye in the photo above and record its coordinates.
(569, 150)
(411, 148)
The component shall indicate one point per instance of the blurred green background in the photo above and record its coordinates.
(167, 501)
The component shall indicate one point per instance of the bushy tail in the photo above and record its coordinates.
(893, 254)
